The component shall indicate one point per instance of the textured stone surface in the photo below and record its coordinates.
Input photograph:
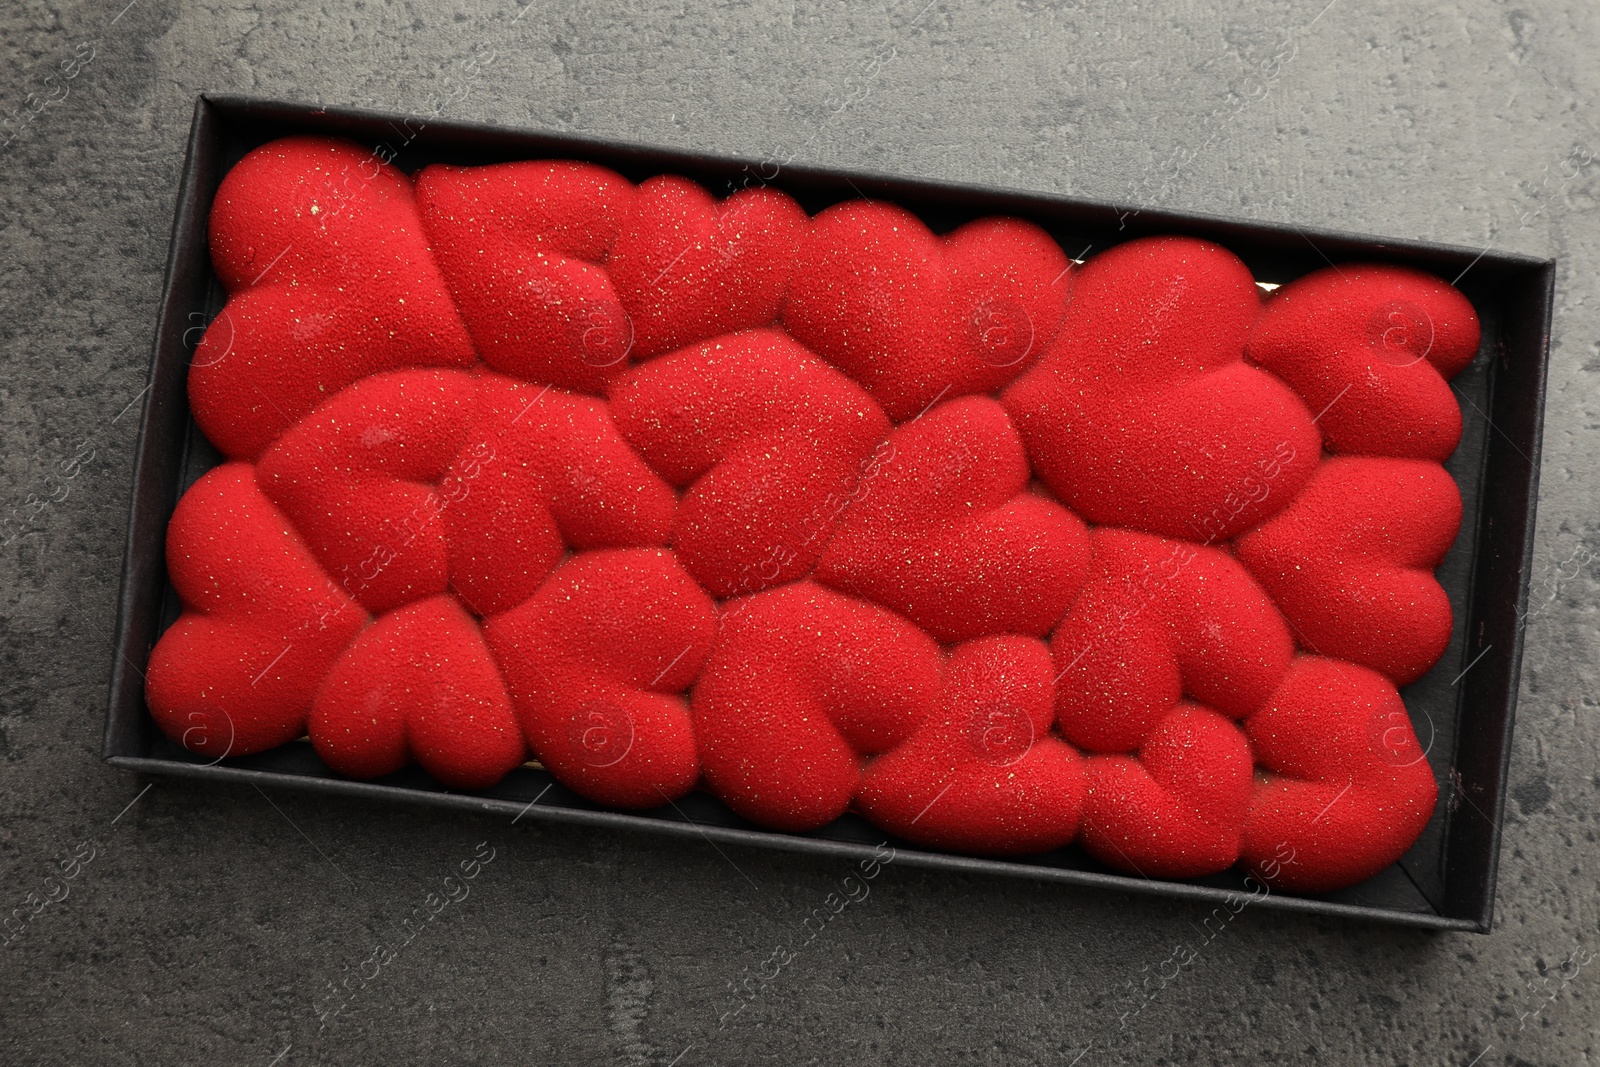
(208, 924)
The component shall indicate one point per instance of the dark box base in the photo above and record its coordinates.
(1447, 879)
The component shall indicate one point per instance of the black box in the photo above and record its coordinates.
(1447, 879)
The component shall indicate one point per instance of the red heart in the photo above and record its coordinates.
(321, 249)
(771, 442)
(543, 471)
(410, 483)
(802, 685)
(688, 267)
(1373, 349)
(359, 481)
(1160, 620)
(1350, 563)
(944, 531)
(261, 623)
(914, 317)
(1144, 415)
(984, 774)
(1178, 810)
(418, 682)
(595, 662)
(521, 245)
(1346, 788)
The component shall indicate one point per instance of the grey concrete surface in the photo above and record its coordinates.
(210, 923)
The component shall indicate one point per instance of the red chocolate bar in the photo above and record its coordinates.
(819, 514)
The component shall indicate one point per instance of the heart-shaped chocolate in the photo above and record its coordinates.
(261, 625)
(1373, 349)
(688, 267)
(542, 471)
(771, 443)
(803, 684)
(1344, 789)
(521, 246)
(418, 683)
(1350, 562)
(945, 532)
(596, 663)
(983, 773)
(916, 318)
(359, 480)
(413, 482)
(325, 260)
(1158, 621)
(1178, 809)
(1143, 414)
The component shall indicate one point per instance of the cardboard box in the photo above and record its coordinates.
(1447, 879)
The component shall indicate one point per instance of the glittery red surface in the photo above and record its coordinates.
(819, 514)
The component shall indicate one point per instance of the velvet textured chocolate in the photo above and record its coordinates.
(819, 514)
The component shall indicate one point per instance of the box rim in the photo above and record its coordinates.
(184, 220)
(688, 829)
(241, 101)
(1528, 532)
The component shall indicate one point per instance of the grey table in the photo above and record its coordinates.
(210, 924)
